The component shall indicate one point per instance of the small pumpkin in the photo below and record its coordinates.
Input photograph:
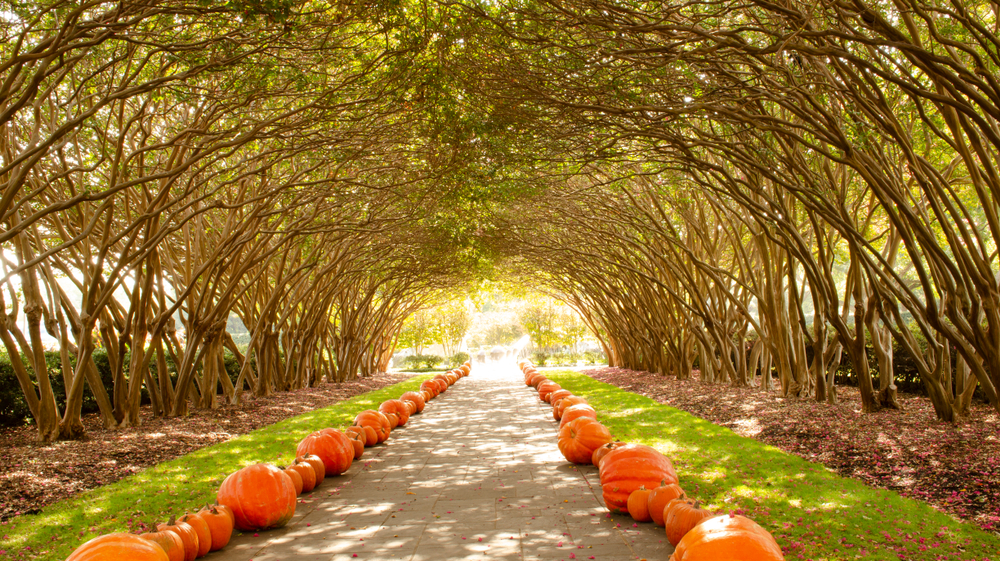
(660, 496)
(603, 451)
(220, 524)
(261, 496)
(118, 547)
(359, 446)
(680, 515)
(306, 473)
(415, 397)
(629, 467)
(187, 535)
(170, 542)
(319, 469)
(296, 479)
(638, 507)
(719, 537)
(579, 438)
(411, 408)
(354, 431)
(201, 528)
(575, 412)
(537, 379)
(441, 384)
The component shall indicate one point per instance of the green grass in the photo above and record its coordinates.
(813, 512)
(173, 487)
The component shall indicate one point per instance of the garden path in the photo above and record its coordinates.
(477, 475)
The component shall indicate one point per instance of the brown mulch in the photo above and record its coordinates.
(954, 468)
(33, 475)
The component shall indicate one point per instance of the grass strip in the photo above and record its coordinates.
(173, 487)
(812, 512)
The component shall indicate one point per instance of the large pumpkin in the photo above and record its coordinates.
(734, 538)
(220, 524)
(545, 389)
(430, 387)
(658, 499)
(332, 446)
(416, 398)
(579, 438)
(537, 379)
(398, 407)
(680, 515)
(629, 467)
(575, 412)
(170, 542)
(558, 408)
(376, 421)
(118, 547)
(261, 497)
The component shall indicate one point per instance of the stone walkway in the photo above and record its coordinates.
(477, 475)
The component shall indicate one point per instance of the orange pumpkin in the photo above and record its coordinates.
(558, 408)
(417, 398)
(170, 542)
(579, 438)
(357, 432)
(575, 412)
(659, 497)
(319, 469)
(430, 387)
(187, 535)
(537, 379)
(201, 528)
(261, 496)
(680, 515)
(411, 408)
(220, 524)
(332, 446)
(306, 473)
(296, 479)
(603, 451)
(441, 385)
(398, 407)
(359, 446)
(721, 536)
(629, 467)
(118, 547)
(546, 388)
(377, 421)
(637, 505)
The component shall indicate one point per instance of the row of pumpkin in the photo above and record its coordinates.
(263, 496)
(640, 481)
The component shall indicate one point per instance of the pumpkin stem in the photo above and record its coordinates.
(172, 521)
(697, 505)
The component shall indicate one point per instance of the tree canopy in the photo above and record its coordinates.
(744, 186)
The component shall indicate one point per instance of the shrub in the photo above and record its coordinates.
(458, 359)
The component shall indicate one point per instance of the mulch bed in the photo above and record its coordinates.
(33, 475)
(954, 468)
